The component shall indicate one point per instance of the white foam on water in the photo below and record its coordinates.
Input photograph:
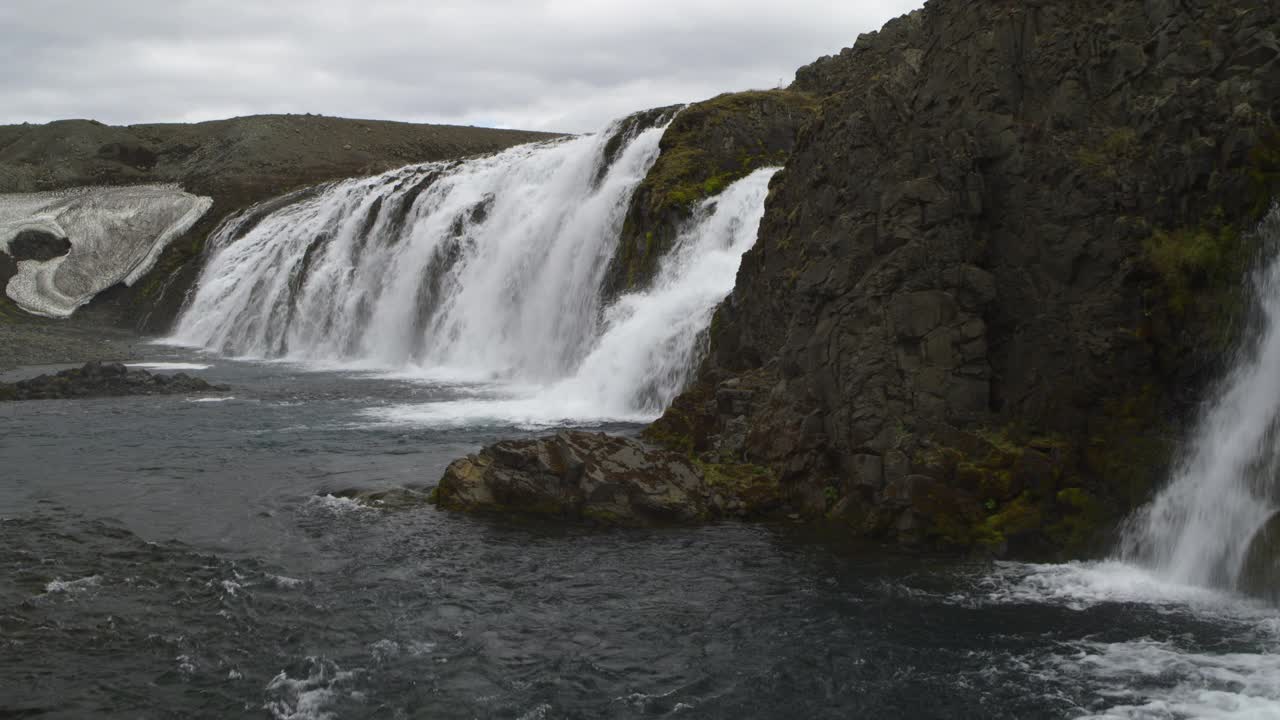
(168, 366)
(285, 583)
(537, 713)
(338, 506)
(59, 585)
(1148, 679)
(1083, 585)
(211, 400)
(1151, 678)
(309, 698)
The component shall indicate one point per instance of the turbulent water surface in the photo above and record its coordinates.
(185, 557)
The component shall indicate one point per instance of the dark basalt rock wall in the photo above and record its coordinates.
(999, 268)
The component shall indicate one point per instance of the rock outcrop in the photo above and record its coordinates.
(612, 480)
(236, 162)
(104, 380)
(998, 268)
(1002, 263)
(707, 146)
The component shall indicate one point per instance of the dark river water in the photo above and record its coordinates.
(180, 558)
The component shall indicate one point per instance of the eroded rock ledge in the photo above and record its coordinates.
(614, 480)
(97, 379)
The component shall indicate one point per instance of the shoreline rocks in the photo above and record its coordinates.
(96, 379)
(603, 478)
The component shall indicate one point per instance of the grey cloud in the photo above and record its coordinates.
(546, 64)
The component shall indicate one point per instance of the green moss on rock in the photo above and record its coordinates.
(707, 147)
(1197, 265)
(1264, 172)
(755, 488)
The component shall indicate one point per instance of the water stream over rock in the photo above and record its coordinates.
(1200, 528)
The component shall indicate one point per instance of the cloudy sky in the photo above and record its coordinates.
(567, 65)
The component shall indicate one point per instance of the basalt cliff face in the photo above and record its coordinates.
(998, 269)
(236, 162)
(1003, 262)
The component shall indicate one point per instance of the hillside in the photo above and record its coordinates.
(237, 162)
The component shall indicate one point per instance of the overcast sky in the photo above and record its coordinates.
(567, 65)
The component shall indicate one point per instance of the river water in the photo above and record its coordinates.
(193, 557)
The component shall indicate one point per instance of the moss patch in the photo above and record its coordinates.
(707, 147)
(756, 487)
(1196, 264)
(1043, 495)
(1109, 154)
(686, 424)
(1264, 172)
(690, 168)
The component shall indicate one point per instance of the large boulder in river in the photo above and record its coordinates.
(104, 380)
(593, 476)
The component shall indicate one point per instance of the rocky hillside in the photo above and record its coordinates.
(237, 162)
(998, 270)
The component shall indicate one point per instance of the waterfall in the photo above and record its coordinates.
(486, 271)
(650, 341)
(1199, 528)
(487, 267)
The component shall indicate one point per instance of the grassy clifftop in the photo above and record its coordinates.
(706, 147)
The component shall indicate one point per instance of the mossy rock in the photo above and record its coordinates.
(705, 148)
(755, 488)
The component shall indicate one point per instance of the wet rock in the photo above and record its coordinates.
(1260, 571)
(97, 379)
(38, 245)
(706, 147)
(966, 241)
(580, 475)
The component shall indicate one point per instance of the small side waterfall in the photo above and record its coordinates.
(486, 271)
(1199, 529)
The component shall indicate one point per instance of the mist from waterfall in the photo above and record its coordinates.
(486, 272)
(1198, 529)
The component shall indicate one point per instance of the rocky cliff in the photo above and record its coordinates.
(237, 162)
(998, 268)
(706, 146)
(1003, 262)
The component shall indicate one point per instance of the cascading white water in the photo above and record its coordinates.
(1198, 529)
(483, 271)
(650, 340)
(489, 268)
